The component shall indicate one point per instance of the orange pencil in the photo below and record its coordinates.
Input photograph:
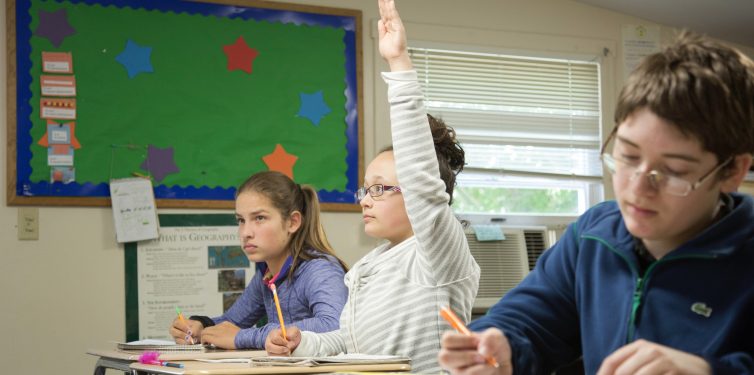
(280, 312)
(454, 321)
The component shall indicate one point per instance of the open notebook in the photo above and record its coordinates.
(158, 345)
(340, 359)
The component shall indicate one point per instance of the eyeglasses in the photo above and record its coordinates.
(374, 191)
(658, 180)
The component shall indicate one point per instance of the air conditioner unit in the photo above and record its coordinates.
(505, 263)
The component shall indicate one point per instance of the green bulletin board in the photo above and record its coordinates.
(196, 96)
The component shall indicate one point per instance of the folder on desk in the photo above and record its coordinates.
(336, 360)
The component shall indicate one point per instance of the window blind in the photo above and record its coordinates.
(519, 115)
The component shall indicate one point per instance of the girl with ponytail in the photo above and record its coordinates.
(280, 230)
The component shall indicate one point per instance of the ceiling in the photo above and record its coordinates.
(730, 20)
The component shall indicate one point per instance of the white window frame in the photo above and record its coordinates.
(509, 43)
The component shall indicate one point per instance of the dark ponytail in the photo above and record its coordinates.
(450, 154)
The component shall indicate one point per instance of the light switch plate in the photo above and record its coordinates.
(28, 223)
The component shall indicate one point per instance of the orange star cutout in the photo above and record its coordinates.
(280, 161)
(240, 55)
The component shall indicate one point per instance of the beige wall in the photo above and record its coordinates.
(64, 293)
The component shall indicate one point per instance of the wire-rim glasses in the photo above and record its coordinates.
(658, 180)
(374, 191)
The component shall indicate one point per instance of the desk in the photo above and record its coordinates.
(197, 368)
(121, 360)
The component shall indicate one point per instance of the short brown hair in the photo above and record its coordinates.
(704, 88)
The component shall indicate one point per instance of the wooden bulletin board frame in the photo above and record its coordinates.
(21, 114)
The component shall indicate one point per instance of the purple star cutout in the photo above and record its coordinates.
(160, 162)
(313, 107)
(54, 26)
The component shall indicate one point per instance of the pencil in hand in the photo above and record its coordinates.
(456, 322)
(188, 337)
(280, 312)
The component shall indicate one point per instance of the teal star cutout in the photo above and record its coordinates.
(313, 107)
(135, 59)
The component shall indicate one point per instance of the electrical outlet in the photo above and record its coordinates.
(28, 223)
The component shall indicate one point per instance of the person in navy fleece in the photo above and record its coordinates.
(280, 230)
(658, 281)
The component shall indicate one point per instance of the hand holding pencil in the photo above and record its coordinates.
(188, 337)
(185, 331)
(281, 342)
(474, 352)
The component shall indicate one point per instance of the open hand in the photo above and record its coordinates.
(392, 37)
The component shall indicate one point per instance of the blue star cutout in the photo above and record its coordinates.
(313, 107)
(160, 162)
(135, 59)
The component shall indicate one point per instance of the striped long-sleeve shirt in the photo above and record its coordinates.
(395, 294)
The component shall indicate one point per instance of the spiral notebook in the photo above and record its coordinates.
(158, 345)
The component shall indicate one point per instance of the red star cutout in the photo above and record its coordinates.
(240, 56)
(280, 161)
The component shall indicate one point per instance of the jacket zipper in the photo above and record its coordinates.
(352, 319)
(641, 281)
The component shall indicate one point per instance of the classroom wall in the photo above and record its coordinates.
(64, 293)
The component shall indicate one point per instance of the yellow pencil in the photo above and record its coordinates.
(456, 322)
(280, 312)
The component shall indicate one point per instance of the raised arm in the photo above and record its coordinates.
(445, 255)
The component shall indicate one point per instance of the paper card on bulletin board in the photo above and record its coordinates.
(134, 211)
(214, 92)
(197, 264)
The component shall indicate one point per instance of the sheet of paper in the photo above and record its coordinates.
(639, 41)
(134, 209)
(60, 155)
(58, 85)
(58, 108)
(151, 342)
(342, 358)
(57, 62)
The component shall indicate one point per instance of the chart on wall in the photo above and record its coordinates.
(197, 265)
(196, 96)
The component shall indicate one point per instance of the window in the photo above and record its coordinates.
(530, 127)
